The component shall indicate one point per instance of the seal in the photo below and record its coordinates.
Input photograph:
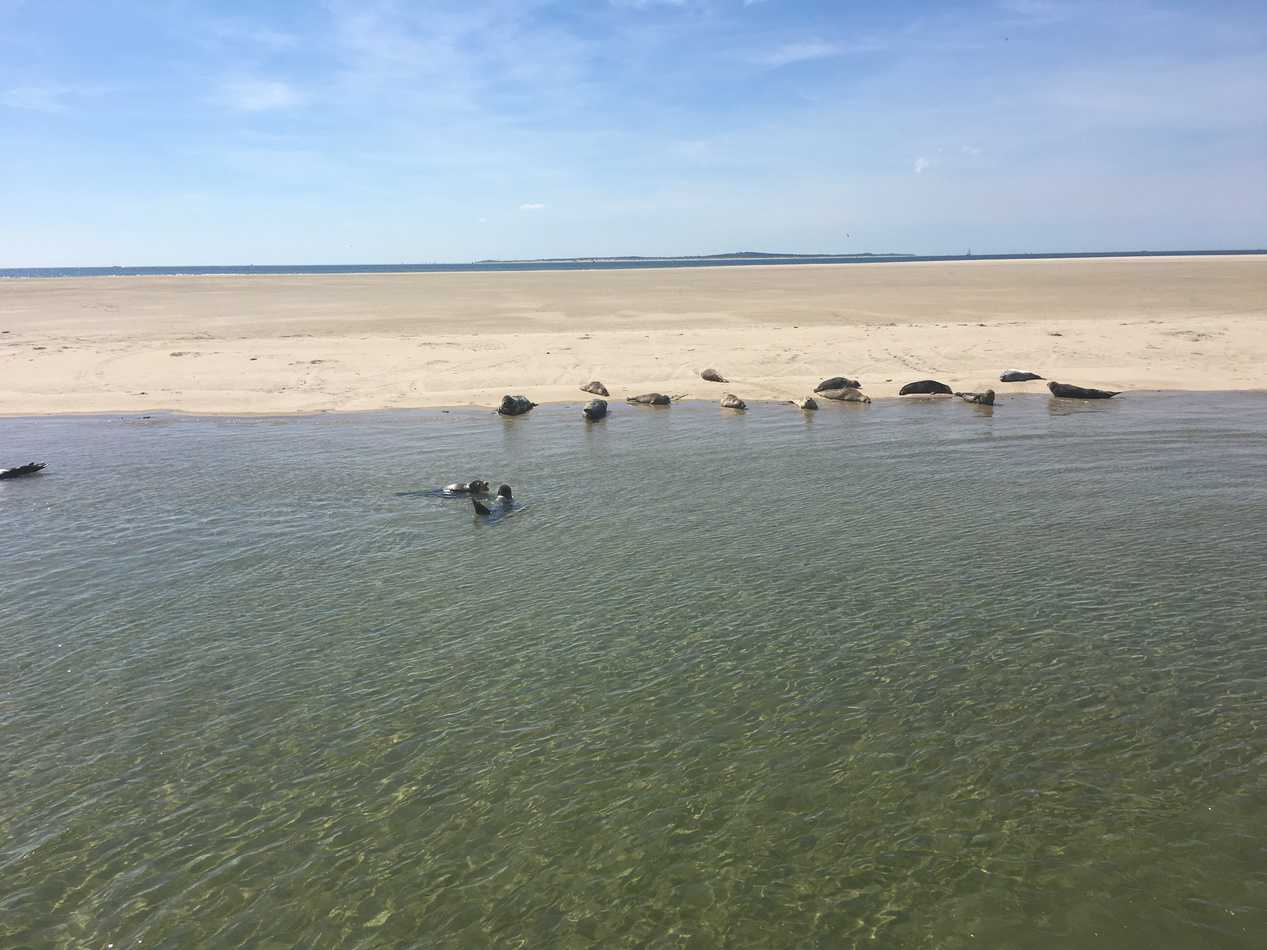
(731, 401)
(649, 399)
(925, 387)
(480, 509)
(30, 468)
(595, 387)
(981, 399)
(845, 394)
(474, 487)
(515, 405)
(595, 409)
(1067, 391)
(837, 382)
(809, 403)
(713, 376)
(1017, 376)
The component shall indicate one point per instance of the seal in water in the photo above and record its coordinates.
(1016, 376)
(595, 387)
(981, 399)
(837, 382)
(649, 399)
(925, 387)
(713, 376)
(474, 487)
(845, 394)
(480, 509)
(503, 494)
(515, 405)
(30, 468)
(808, 403)
(731, 401)
(595, 409)
(1066, 391)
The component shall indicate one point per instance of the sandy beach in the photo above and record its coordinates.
(266, 344)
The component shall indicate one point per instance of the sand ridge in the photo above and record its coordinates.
(269, 344)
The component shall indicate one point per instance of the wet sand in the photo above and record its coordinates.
(276, 344)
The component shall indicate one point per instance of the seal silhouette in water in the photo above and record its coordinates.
(1067, 391)
(480, 508)
(1016, 376)
(30, 468)
(504, 498)
(925, 387)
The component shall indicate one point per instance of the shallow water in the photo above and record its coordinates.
(916, 674)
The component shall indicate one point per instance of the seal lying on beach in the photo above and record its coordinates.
(595, 409)
(30, 468)
(1016, 376)
(595, 387)
(1066, 391)
(713, 376)
(649, 399)
(731, 401)
(925, 387)
(837, 382)
(474, 487)
(515, 405)
(845, 394)
(981, 399)
(808, 403)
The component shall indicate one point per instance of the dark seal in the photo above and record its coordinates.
(30, 468)
(474, 487)
(1066, 391)
(595, 409)
(515, 405)
(713, 376)
(837, 382)
(925, 387)
(649, 399)
(1016, 376)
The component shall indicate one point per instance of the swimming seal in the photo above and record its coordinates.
(837, 382)
(649, 399)
(1016, 376)
(595, 409)
(480, 509)
(713, 376)
(1066, 391)
(845, 394)
(515, 405)
(731, 401)
(474, 487)
(808, 403)
(925, 387)
(981, 399)
(30, 468)
(503, 494)
(595, 387)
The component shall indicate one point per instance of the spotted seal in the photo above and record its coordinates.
(595, 409)
(981, 399)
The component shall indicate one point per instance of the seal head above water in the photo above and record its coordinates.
(595, 409)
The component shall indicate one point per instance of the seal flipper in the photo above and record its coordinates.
(480, 509)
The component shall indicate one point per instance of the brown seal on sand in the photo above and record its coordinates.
(595, 387)
(845, 394)
(713, 376)
(649, 399)
(1017, 376)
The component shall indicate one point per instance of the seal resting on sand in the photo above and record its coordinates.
(845, 394)
(925, 387)
(30, 468)
(1066, 391)
(474, 487)
(808, 403)
(837, 382)
(713, 376)
(595, 409)
(731, 401)
(981, 399)
(1016, 376)
(649, 399)
(515, 405)
(595, 387)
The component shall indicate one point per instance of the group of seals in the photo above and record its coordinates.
(30, 468)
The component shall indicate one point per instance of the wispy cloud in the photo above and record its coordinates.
(46, 97)
(922, 163)
(532, 206)
(802, 52)
(258, 95)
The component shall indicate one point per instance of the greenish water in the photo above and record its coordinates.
(905, 675)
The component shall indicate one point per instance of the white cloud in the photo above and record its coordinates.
(258, 95)
(800, 52)
(971, 150)
(532, 206)
(45, 97)
(922, 163)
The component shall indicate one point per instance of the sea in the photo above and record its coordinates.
(597, 263)
(916, 674)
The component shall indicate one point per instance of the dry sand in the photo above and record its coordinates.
(264, 344)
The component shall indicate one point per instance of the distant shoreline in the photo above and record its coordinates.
(741, 259)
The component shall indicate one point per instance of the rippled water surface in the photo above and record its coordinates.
(905, 675)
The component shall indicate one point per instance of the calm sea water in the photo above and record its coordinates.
(576, 264)
(906, 675)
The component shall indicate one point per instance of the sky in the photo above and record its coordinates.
(138, 132)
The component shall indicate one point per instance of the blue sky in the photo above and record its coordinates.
(176, 131)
